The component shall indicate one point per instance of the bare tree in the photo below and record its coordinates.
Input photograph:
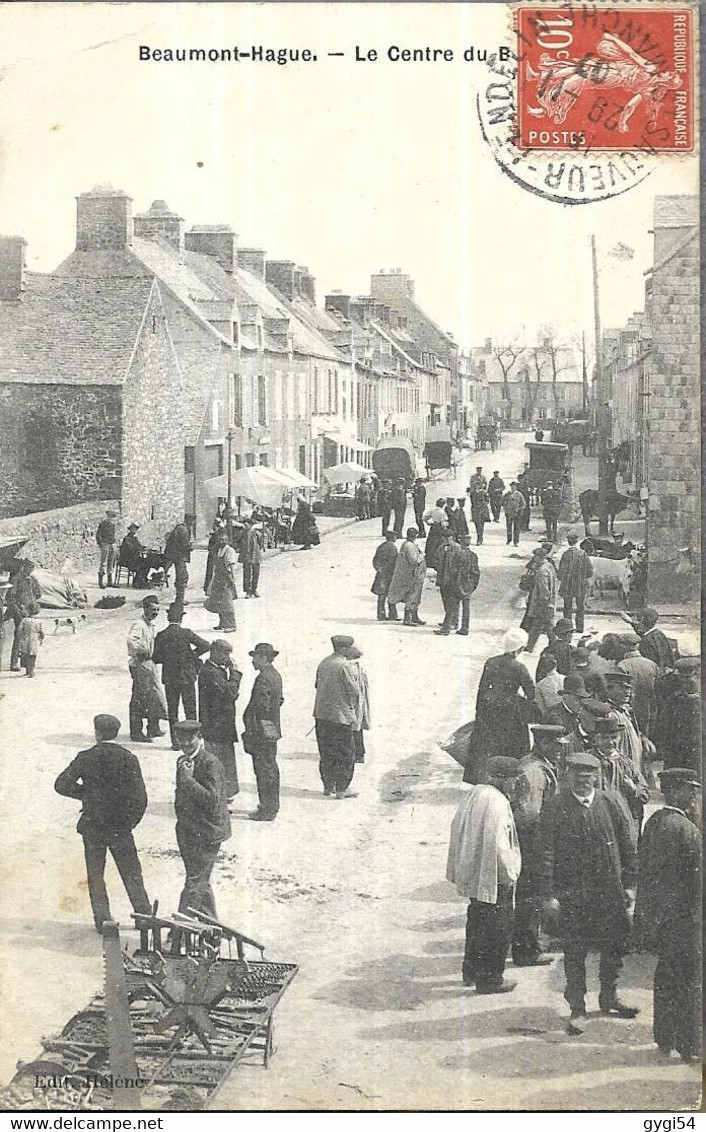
(553, 348)
(507, 355)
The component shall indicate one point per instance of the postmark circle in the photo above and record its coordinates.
(573, 176)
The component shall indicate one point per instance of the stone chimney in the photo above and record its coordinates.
(103, 219)
(252, 260)
(159, 220)
(389, 286)
(216, 240)
(299, 273)
(308, 285)
(488, 345)
(280, 273)
(339, 304)
(12, 268)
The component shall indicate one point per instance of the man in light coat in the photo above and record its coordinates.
(408, 578)
(484, 863)
(336, 714)
(514, 508)
(148, 700)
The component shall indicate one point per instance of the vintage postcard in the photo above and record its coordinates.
(413, 822)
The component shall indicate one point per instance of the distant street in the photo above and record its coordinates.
(351, 890)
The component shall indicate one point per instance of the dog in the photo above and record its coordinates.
(71, 623)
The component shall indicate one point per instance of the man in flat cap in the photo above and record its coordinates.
(484, 863)
(574, 570)
(108, 782)
(203, 821)
(537, 779)
(263, 730)
(668, 912)
(515, 507)
(336, 713)
(644, 673)
(105, 538)
(541, 606)
(461, 578)
(587, 872)
(636, 748)
(617, 773)
(179, 651)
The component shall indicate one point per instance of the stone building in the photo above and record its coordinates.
(433, 348)
(626, 360)
(672, 311)
(113, 246)
(88, 378)
(525, 383)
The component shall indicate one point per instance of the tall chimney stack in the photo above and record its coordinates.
(12, 268)
(159, 220)
(280, 273)
(252, 260)
(103, 219)
(216, 240)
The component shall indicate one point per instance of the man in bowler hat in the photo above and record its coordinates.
(108, 782)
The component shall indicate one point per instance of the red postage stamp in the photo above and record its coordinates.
(615, 78)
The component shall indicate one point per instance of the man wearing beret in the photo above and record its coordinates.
(261, 720)
(537, 778)
(587, 871)
(668, 912)
(108, 782)
(336, 713)
(203, 821)
(484, 863)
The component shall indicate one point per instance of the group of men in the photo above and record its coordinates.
(542, 830)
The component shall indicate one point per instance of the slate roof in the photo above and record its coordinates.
(68, 331)
(198, 346)
(679, 211)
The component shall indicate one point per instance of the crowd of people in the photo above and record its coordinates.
(550, 841)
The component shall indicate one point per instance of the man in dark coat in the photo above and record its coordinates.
(514, 507)
(524, 489)
(668, 913)
(551, 504)
(212, 552)
(537, 778)
(444, 555)
(385, 503)
(617, 773)
(219, 681)
(262, 724)
(203, 822)
(587, 872)
(502, 714)
(419, 502)
(134, 557)
(108, 782)
(178, 650)
(653, 642)
(541, 604)
(398, 499)
(461, 577)
(105, 538)
(680, 727)
(384, 561)
(177, 550)
(496, 490)
(574, 570)
(560, 648)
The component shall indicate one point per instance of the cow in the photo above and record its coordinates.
(610, 574)
(589, 502)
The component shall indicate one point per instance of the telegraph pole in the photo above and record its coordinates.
(603, 419)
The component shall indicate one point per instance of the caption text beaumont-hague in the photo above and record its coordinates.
(283, 55)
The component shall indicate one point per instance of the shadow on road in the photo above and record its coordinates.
(51, 935)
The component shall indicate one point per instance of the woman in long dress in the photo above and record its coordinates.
(223, 591)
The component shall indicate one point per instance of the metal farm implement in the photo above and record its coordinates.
(171, 1022)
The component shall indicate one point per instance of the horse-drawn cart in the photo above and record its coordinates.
(488, 433)
(439, 451)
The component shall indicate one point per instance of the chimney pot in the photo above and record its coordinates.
(280, 273)
(159, 220)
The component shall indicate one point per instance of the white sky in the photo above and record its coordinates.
(346, 167)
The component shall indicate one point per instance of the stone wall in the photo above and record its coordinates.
(153, 429)
(54, 536)
(674, 453)
(59, 445)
